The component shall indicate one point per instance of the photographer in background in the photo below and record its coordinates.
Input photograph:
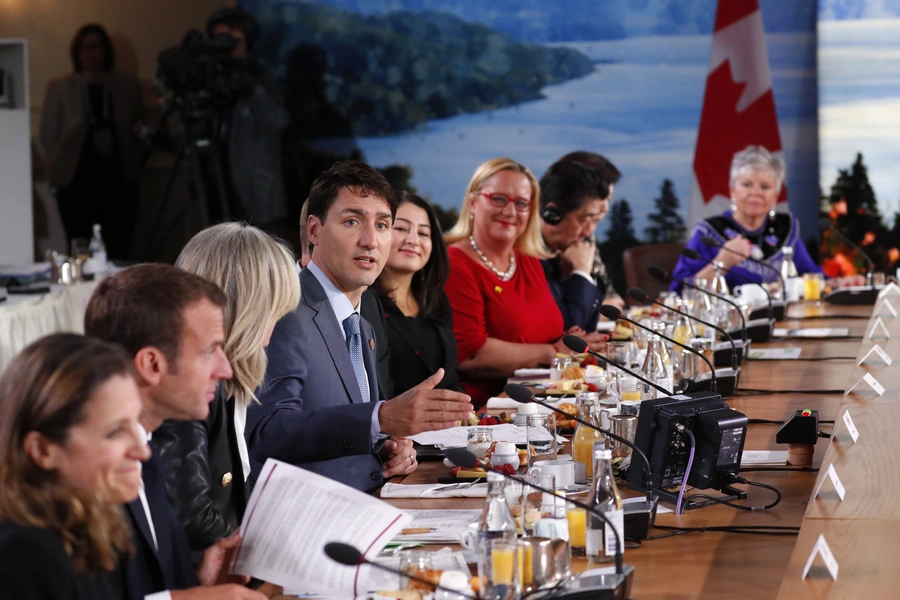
(252, 129)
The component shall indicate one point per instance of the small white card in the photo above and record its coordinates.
(821, 548)
(873, 383)
(886, 308)
(764, 457)
(851, 427)
(870, 379)
(775, 353)
(889, 289)
(879, 325)
(835, 480)
(881, 354)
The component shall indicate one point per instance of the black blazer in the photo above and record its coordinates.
(170, 567)
(34, 566)
(203, 474)
(408, 367)
(578, 299)
(371, 310)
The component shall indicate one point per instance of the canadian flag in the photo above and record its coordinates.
(738, 106)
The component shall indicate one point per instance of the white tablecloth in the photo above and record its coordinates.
(23, 319)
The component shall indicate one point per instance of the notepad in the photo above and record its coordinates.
(811, 332)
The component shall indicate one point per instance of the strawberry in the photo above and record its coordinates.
(592, 387)
(589, 360)
(454, 471)
(508, 469)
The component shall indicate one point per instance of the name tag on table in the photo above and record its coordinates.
(879, 330)
(880, 353)
(851, 427)
(873, 383)
(835, 481)
(889, 290)
(886, 308)
(821, 548)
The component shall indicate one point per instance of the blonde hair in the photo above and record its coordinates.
(46, 389)
(531, 242)
(259, 277)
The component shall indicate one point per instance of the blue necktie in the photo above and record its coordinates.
(354, 346)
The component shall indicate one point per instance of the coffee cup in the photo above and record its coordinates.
(562, 470)
(751, 293)
(468, 539)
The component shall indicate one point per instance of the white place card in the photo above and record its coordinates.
(764, 457)
(870, 379)
(835, 481)
(879, 324)
(851, 427)
(821, 548)
(888, 290)
(880, 353)
(885, 308)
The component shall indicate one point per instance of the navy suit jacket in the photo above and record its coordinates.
(169, 568)
(578, 299)
(311, 413)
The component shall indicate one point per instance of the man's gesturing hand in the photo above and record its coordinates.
(423, 408)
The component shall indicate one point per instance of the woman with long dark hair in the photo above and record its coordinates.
(411, 288)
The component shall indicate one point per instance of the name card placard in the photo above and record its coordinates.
(821, 548)
(871, 381)
(851, 426)
(885, 308)
(835, 481)
(879, 330)
(878, 352)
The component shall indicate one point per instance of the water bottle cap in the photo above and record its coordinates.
(603, 453)
(528, 409)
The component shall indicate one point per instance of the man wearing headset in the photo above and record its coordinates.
(253, 127)
(574, 199)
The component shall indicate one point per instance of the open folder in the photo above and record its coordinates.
(293, 513)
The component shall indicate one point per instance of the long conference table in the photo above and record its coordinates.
(862, 531)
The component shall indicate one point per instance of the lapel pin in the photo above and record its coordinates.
(498, 289)
(372, 343)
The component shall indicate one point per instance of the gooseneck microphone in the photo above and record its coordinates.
(694, 255)
(467, 460)
(523, 395)
(642, 296)
(711, 242)
(662, 275)
(612, 313)
(350, 556)
(578, 345)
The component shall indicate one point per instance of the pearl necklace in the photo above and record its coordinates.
(502, 275)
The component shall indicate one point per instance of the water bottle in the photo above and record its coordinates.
(602, 543)
(97, 262)
(654, 370)
(497, 558)
(789, 275)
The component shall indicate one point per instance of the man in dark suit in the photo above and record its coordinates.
(172, 324)
(574, 199)
(320, 407)
(370, 309)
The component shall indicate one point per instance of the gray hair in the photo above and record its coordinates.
(756, 157)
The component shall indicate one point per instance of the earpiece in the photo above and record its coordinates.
(551, 214)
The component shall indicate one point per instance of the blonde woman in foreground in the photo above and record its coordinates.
(206, 462)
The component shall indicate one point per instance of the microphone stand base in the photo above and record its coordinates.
(639, 519)
(726, 382)
(605, 586)
(723, 355)
(856, 296)
(762, 312)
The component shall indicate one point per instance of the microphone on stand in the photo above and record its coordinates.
(729, 381)
(711, 242)
(465, 459)
(612, 313)
(694, 255)
(579, 346)
(844, 296)
(350, 556)
(662, 275)
(639, 516)
(719, 359)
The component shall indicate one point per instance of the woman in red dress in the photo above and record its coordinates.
(504, 316)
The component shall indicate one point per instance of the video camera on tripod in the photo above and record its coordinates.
(200, 83)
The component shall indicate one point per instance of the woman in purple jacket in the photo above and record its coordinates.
(751, 228)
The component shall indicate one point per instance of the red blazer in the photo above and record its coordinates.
(520, 310)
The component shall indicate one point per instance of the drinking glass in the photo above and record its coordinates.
(416, 563)
(541, 437)
(479, 440)
(625, 427)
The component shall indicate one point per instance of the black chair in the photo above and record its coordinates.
(635, 262)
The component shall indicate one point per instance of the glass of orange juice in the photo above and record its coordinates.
(629, 394)
(577, 530)
(812, 286)
(504, 563)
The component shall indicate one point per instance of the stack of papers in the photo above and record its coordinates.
(437, 526)
(811, 332)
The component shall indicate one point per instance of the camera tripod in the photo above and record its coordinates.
(200, 146)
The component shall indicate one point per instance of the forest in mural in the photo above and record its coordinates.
(426, 90)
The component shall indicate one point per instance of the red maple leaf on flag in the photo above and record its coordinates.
(725, 131)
